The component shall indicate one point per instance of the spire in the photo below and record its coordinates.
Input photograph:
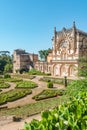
(74, 32)
(54, 30)
(74, 26)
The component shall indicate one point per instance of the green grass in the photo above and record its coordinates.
(34, 108)
(26, 76)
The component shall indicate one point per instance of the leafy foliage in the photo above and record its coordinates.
(44, 53)
(70, 116)
(8, 68)
(5, 62)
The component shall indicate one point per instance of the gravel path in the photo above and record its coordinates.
(18, 125)
(26, 100)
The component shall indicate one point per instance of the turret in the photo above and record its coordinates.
(74, 34)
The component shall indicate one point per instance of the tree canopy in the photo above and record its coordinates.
(43, 54)
(5, 62)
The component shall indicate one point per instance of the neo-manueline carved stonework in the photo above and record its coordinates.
(68, 45)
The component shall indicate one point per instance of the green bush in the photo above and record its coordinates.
(68, 116)
(7, 76)
(35, 72)
(50, 84)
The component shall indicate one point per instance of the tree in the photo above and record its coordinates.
(8, 68)
(41, 54)
(5, 61)
(44, 53)
(2, 64)
(5, 53)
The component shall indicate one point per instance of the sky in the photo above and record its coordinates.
(29, 24)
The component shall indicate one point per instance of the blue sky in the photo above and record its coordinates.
(29, 24)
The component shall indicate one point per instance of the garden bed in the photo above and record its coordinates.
(48, 94)
(13, 95)
(56, 80)
(4, 85)
(26, 84)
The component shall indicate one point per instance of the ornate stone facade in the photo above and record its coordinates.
(68, 46)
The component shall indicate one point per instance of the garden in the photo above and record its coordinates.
(55, 80)
(13, 95)
(64, 109)
(69, 115)
(48, 93)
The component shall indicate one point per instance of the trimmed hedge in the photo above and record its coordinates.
(4, 85)
(26, 84)
(13, 80)
(50, 84)
(7, 76)
(48, 94)
(13, 95)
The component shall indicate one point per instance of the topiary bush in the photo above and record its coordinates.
(7, 76)
(50, 84)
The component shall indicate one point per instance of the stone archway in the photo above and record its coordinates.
(72, 70)
(64, 70)
(57, 70)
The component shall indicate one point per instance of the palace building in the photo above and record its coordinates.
(68, 45)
